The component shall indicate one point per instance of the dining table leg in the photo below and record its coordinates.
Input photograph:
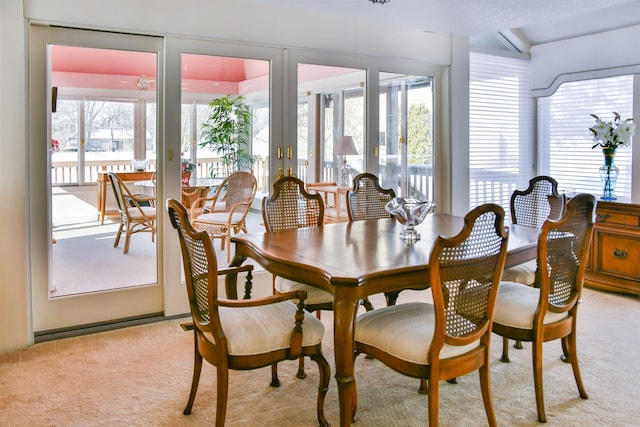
(345, 305)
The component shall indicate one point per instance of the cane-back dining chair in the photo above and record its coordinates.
(238, 189)
(367, 199)
(548, 311)
(531, 208)
(241, 334)
(452, 336)
(137, 212)
(291, 206)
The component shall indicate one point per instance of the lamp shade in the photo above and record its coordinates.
(345, 146)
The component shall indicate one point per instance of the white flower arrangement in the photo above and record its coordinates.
(611, 135)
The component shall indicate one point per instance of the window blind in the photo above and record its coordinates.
(501, 155)
(565, 140)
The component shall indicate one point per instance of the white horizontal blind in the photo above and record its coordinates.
(564, 136)
(501, 155)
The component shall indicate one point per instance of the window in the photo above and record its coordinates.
(501, 155)
(565, 141)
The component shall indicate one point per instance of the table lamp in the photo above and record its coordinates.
(345, 147)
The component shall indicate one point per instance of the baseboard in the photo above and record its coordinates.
(94, 328)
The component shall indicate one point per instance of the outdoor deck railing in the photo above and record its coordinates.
(496, 186)
(65, 172)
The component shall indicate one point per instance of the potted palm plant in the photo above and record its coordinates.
(226, 132)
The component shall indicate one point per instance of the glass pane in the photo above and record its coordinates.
(110, 137)
(65, 141)
(406, 135)
(101, 123)
(330, 106)
(565, 121)
(224, 149)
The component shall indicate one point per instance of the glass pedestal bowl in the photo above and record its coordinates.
(409, 212)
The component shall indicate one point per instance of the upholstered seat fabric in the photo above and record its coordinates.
(523, 273)
(148, 211)
(221, 217)
(262, 329)
(516, 305)
(314, 295)
(405, 331)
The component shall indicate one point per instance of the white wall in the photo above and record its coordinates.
(14, 304)
(600, 55)
(207, 19)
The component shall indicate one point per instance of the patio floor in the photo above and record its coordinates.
(83, 257)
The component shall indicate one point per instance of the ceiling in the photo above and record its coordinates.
(505, 24)
(536, 21)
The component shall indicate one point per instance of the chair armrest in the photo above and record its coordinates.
(233, 271)
(271, 299)
(238, 206)
(239, 269)
(198, 205)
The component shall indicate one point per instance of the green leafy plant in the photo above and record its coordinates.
(187, 166)
(226, 132)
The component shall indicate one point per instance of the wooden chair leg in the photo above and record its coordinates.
(573, 357)
(485, 387)
(565, 357)
(118, 234)
(127, 239)
(301, 374)
(223, 394)
(537, 380)
(323, 387)
(505, 350)
(424, 386)
(197, 368)
(518, 345)
(275, 381)
(432, 399)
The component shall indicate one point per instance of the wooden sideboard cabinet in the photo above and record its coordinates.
(614, 262)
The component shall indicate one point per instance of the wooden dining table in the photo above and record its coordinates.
(354, 260)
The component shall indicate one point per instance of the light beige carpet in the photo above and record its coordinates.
(140, 376)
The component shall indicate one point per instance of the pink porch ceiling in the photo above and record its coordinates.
(119, 69)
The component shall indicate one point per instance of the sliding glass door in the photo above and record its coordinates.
(406, 135)
(88, 114)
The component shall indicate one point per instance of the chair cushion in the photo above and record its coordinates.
(516, 305)
(522, 273)
(220, 218)
(314, 295)
(262, 329)
(405, 331)
(149, 212)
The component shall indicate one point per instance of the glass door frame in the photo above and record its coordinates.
(374, 67)
(69, 312)
(167, 186)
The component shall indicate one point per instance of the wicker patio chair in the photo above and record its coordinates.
(137, 212)
(238, 191)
